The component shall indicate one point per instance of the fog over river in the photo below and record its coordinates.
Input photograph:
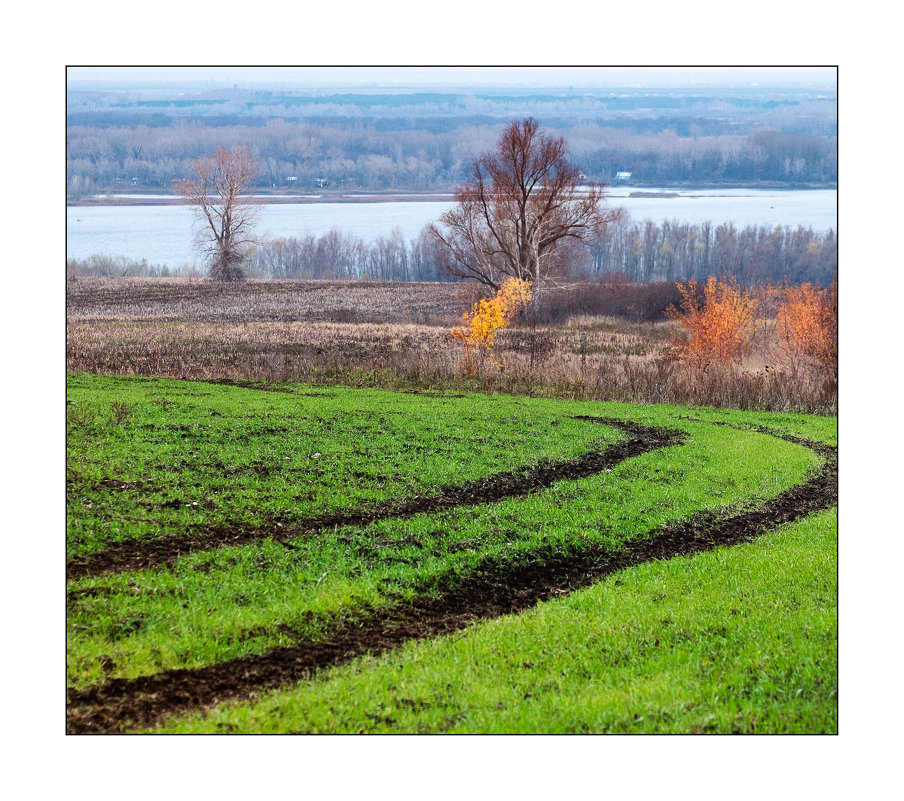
(164, 235)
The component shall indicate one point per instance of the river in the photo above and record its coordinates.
(163, 235)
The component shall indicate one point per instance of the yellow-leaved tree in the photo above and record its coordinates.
(478, 335)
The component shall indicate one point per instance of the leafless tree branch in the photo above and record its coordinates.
(522, 202)
(226, 216)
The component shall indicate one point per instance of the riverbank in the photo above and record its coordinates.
(364, 196)
(174, 200)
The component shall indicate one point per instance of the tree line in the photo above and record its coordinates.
(646, 252)
(642, 252)
(712, 110)
(306, 156)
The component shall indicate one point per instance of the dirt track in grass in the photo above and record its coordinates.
(144, 554)
(495, 589)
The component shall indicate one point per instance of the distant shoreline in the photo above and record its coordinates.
(654, 194)
(125, 199)
(171, 200)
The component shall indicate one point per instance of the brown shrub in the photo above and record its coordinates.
(612, 298)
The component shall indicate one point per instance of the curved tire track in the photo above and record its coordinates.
(141, 555)
(495, 589)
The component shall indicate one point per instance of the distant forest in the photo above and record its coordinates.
(142, 140)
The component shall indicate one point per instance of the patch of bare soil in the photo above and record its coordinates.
(141, 554)
(495, 589)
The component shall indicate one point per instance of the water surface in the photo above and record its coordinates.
(165, 234)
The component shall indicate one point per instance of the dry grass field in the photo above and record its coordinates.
(588, 343)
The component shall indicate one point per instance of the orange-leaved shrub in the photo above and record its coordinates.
(488, 316)
(807, 329)
(718, 331)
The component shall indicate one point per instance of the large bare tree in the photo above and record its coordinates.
(225, 215)
(524, 202)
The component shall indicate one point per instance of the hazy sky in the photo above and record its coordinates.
(400, 77)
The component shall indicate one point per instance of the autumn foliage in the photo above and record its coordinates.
(488, 316)
(719, 330)
(807, 328)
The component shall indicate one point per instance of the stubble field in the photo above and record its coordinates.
(590, 342)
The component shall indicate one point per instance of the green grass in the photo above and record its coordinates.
(149, 458)
(734, 640)
(247, 458)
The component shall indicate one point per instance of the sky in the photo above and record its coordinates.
(399, 77)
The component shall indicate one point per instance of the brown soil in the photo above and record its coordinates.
(140, 555)
(494, 589)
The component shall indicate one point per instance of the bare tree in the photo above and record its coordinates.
(226, 217)
(524, 202)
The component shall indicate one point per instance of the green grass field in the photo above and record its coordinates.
(734, 639)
